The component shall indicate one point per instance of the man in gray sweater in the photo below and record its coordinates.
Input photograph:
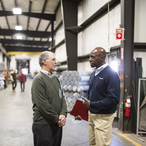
(49, 104)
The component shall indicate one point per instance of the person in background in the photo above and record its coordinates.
(5, 81)
(104, 96)
(22, 80)
(49, 104)
(14, 80)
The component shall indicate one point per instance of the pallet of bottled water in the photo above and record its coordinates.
(75, 84)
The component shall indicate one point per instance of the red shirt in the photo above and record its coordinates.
(22, 78)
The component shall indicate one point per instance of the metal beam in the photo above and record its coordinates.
(11, 32)
(36, 15)
(24, 42)
(75, 1)
(58, 26)
(30, 4)
(46, 29)
(5, 16)
(44, 6)
(16, 16)
(127, 124)
(57, 7)
(140, 47)
(52, 33)
(69, 10)
(25, 49)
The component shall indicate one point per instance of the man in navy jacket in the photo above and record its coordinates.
(104, 96)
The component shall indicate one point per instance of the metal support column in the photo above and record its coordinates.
(52, 33)
(127, 45)
(69, 11)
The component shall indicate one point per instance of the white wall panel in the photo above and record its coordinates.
(5, 61)
(143, 56)
(13, 63)
(97, 33)
(58, 16)
(140, 21)
(87, 8)
(84, 66)
(114, 22)
(60, 53)
(59, 35)
(34, 62)
(3, 23)
(1, 57)
(63, 66)
(12, 21)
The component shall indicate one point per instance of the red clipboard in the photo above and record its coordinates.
(80, 109)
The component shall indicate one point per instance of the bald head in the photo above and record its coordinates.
(97, 57)
(99, 50)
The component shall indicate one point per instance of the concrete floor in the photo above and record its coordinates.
(16, 122)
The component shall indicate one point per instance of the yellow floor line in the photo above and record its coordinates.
(116, 138)
(132, 141)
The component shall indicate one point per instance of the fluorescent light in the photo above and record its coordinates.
(19, 37)
(17, 11)
(114, 65)
(18, 27)
(50, 39)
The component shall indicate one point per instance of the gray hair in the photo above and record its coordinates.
(44, 55)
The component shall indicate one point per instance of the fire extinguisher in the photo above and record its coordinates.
(127, 106)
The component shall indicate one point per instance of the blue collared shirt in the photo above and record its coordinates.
(99, 69)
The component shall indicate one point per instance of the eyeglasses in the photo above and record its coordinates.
(54, 59)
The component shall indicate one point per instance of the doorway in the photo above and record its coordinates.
(24, 65)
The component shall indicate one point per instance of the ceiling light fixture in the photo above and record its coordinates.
(19, 37)
(18, 27)
(17, 11)
(50, 39)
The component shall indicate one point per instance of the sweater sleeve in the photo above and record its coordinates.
(64, 107)
(40, 101)
(112, 94)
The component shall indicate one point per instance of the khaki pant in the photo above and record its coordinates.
(100, 129)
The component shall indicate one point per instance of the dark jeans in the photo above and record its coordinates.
(5, 85)
(47, 134)
(22, 85)
(14, 84)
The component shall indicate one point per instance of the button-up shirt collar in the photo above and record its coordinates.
(47, 73)
(99, 69)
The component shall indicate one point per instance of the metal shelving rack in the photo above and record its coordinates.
(138, 102)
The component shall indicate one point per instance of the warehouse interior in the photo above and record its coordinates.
(72, 29)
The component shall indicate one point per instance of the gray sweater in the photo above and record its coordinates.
(48, 99)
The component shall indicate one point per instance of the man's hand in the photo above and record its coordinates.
(62, 120)
(86, 102)
(78, 117)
